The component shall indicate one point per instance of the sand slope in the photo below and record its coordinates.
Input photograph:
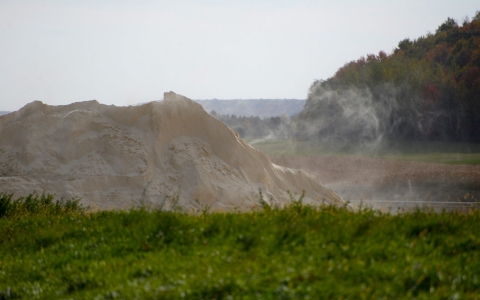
(117, 157)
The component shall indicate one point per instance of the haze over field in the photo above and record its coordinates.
(130, 52)
(263, 108)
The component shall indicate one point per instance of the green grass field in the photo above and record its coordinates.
(52, 250)
(451, 153)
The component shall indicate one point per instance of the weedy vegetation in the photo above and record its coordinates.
(59, 250)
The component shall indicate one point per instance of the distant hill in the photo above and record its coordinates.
(4, 112)
(263, 108)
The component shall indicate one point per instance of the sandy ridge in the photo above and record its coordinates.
(117, 157)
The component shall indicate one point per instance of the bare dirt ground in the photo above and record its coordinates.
(392, 183)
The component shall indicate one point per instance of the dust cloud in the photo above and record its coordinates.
(367, 146)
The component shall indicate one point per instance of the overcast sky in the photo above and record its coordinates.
(126, 52)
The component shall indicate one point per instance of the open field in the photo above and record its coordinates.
(380, 179)
(394, 176)
(436, 152)
(51, 251)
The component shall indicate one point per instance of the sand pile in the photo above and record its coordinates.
(118, 157)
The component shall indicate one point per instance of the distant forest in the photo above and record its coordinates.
(254, 127)
(256, 118)
(426, 89)
(263, 108)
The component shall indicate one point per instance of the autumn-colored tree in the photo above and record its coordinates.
(428, 88)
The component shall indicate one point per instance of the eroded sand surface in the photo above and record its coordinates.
(118, 157)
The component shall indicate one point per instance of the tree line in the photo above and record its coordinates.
(426, 89)
(254, 127)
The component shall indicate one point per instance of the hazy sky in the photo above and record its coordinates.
(124, 52)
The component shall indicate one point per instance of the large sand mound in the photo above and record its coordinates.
(118, 157)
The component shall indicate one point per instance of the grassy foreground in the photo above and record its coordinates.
(51, 250)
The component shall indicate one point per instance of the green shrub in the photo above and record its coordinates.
(37, 204)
